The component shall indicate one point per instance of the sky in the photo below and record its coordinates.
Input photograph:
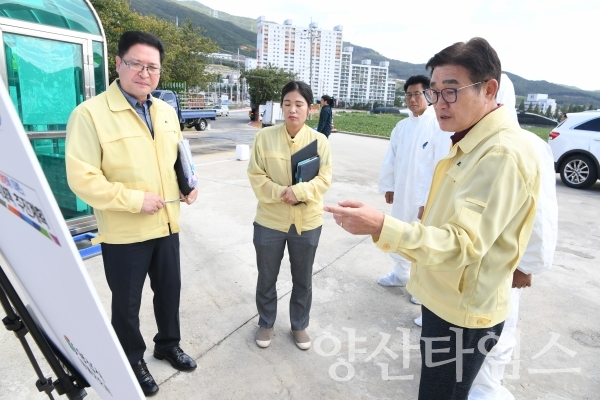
(552, 40)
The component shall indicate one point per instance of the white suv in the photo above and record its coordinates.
(575, 143)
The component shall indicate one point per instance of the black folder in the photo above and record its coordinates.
(184, 168)
(181, 180)
(304, 154)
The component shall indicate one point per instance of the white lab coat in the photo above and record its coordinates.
(416, 146)
(537, 258)
(506, 95)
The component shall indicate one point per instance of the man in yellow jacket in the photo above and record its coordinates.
(120, 154)
(476, 225)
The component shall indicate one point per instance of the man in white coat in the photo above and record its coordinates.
(416, 145)
(537, 258)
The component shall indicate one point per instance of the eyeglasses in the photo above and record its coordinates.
(134, 66)
(416, 95)
(450, 95)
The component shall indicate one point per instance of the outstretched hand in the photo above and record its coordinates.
(357, 218)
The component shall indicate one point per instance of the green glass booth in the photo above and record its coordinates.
(53, 58)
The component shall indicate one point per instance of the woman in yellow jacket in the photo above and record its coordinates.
(287, 214)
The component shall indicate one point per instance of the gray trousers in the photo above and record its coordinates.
(270, 245)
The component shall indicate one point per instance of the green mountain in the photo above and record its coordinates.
(248, 24)
(561, 93)
(227, 35)
(230, 32)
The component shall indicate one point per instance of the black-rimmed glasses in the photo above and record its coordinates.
(450, 95)
(135, 66)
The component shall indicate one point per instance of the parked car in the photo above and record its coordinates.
(187, 118)
(386, 110)
(575, 143)
(222, 110)
(526, 118)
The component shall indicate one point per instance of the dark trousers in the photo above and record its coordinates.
(126, 267)
(451, 357)
(270, 245)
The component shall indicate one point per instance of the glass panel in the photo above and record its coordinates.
(45, 80)
(67, 14)
(99, 79)
(51, 155)
(593, 125)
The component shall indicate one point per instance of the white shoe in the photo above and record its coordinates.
(419, 321)
(391, 279)
(414, 300)
(302, 339)
(264, 336)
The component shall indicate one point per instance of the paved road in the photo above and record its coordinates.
(224, 134)
(352, 317)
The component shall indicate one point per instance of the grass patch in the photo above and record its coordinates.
(383, 124)
(371, 124)
(542, 131)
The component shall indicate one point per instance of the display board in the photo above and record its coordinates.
(42, 262)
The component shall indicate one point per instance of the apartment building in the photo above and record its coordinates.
(313, 54)
(365, 83)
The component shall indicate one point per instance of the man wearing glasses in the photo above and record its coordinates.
(477, 221)
(416, 146)
(120, 154)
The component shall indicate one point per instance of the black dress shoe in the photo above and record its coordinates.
(147, 383)
(178, 359)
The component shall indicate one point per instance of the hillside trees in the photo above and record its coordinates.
(184, 46)
(265, 84)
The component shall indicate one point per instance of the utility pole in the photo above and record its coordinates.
(312, 36)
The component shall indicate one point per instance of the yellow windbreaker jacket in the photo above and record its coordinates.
(476, 225)
(112, 160)
(270, 172)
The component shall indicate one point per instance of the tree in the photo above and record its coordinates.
(591, 107)
(183, 46)
(536, 110)
(556, 113)
(398, 102)
(522, 105)
(549, 112)
(265, 84)
(530, 108)
(570, 109)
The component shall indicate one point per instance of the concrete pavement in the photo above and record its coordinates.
(358, 328)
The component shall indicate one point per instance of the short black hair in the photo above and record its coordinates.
(415, 80)
(328, 99)
(477, 56)
(131, 38)
(299, 86)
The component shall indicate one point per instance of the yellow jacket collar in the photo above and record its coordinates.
(116, 100)
(486, 127)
